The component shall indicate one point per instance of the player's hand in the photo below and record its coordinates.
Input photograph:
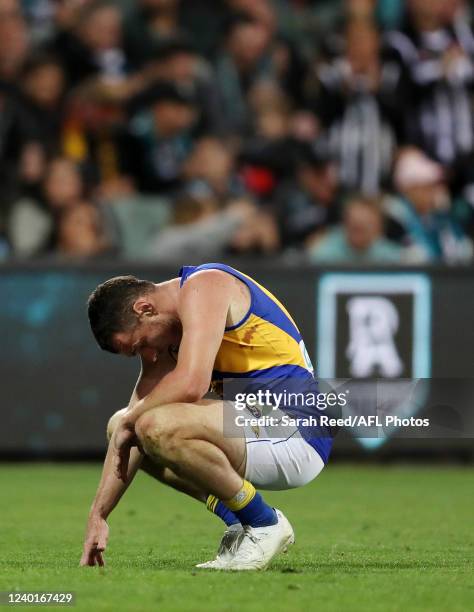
(95, 542)
(124, 439)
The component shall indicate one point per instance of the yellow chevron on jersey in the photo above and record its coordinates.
(255, 346)
(265, 342)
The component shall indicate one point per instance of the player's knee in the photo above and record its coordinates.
(158, 433)
(113, 421)
(147, 430)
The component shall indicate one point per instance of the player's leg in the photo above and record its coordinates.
(274, 464)
(189, 438)
(166, 476)
(157, 471)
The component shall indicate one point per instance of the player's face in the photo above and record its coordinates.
(150, 337)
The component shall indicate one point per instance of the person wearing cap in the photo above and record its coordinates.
(176, 60)
(421, 214)
(159, 137)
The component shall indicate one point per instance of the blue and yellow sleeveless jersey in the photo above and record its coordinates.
(266, 346)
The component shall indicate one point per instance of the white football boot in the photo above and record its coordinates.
(259, 545)
(229, 543)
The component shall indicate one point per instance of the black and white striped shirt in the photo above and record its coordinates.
(360, 124)
(437, 105)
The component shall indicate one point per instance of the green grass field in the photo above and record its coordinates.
(367, 538)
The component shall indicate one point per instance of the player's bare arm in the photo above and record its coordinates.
(203, 308)
(111, 488)
(206, 304)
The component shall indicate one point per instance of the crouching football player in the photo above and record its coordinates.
(191, 332)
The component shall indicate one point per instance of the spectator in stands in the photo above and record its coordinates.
(80, 233)
(357, 107)
(387, 14)
(268, 156)
(258, 238)
(32, 223)
(176, 60)
(30, 170)
(159, 138)
(201, 229)
(40, 16)
(421, 214)
(213, 163)
(41, 103)
(92, 46)
(260, 11)
(307, 23)
(22, 160)
(272, 124)
(244, 61)
(14, 42)
(152, 122)
(360, 239)
(266, 95)
(434, 54)
(30, 126)
(290, 69)
(203, 21)
(309, 203)
(332, 39)
(148, 23)
(173, 59)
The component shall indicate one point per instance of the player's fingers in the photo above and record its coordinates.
(102, 543)
(86, 554)
(93, 557)
(84, 559)
(87, 558)
(100, 559)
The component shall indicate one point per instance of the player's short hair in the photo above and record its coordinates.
(110, 308)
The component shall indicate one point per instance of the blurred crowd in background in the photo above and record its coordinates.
(304, 130)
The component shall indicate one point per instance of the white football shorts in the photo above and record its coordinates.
(277, 464)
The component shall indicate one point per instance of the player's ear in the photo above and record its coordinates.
(143, 308)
